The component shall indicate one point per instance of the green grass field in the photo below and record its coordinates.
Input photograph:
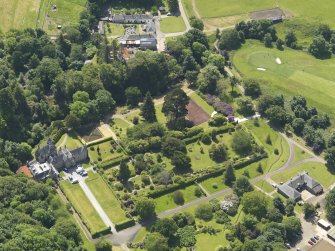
(260, 133)
(299, 74)
(81, 203)
(172, 24)
(72, 140)
(307, 9)
(265, 186)
(106, 152)
(166, 202)
(106, 198)
(300, 154)
(316, 170)
(19, 14)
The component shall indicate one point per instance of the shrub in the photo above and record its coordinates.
(276, 151)
(178, 197)
(206, 139)
(145, 179)
(204, 212)
(197, 192)
(217, 120)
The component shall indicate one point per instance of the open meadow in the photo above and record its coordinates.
(299, 74)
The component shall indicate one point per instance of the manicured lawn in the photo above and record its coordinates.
(260, 134)
(159, 114)
(265, 186)
(106, 198)
(213, 185)
(166, 202)
(81, 203)
(72, 141)
(172, 24)
(318, 171)
(206, 107)
(120, 127)
(299, 74)
(115, 29)
(300, 154)
(106, 151)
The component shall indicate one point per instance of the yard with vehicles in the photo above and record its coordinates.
(299, 73)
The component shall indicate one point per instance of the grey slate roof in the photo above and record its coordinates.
(289, 191)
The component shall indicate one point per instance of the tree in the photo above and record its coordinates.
(178, 197)
(174, 106)
(330, 157)
(279, 204)
(208, 78)
(255, 203)
(260, 168)
(196, 23)
(291, 40)
(133, 96)
(181, 161)
(267, 40)
(246, 106)
(330, 206)
(279, 44)
(242, 143)
(309, 210)
(242, 185)
(298, 125)
(195, 35)
(156, 241)
(252, 88)
(229, 176)
(325, 31)
(105, 102)
(166, 227)
(320, 48)
(204, 212)
(233, 81)
(277, 115)
(218, 152)
(145, 208)
(216, 60)
(103, 245)
(292, 226)
(171, 145)
(273, 214)
(186, 236)
(148, 111)
(173, 6)
(124, 172)
(230, 40)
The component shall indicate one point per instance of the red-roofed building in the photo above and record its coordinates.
(25, 170)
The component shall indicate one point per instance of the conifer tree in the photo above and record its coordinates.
(148, 111)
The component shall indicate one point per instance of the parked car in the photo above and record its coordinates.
(310, 242)
(312, 239)
(316, 237)
(298, 249)
(168, 14)
(287, 245)
(83, 173)
(79, 169)
(65, 169)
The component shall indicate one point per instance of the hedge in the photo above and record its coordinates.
(125, 224)
(215, 173)
(114, 162)
(102, 232)
(225, 128)
(99, 141)
(59, 133)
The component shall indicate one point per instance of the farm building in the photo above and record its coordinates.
(293, 187)
(130, 19)
(275, 15)
(143, 42)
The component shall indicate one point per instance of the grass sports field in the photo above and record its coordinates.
(299, 73)
(309, 9)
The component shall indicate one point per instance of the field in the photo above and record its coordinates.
(172, 24)
(81, 203)
(261, 133)
(265, 186)
(19, 14)
(299, 74)
(107, 151)
(106, 198)
(306, 9)
(317, 171)
(166, 202)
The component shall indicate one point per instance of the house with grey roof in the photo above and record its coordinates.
(293, 188)
(49, 160)
(130, 19)
(141, 41)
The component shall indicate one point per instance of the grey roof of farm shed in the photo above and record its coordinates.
(131, 19)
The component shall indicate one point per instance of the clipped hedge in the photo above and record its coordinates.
(99, 141)
(114, 162)
(225, 128)
(125, 224)
(58, 134)
(102, 232)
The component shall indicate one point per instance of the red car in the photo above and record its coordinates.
(310, 243)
